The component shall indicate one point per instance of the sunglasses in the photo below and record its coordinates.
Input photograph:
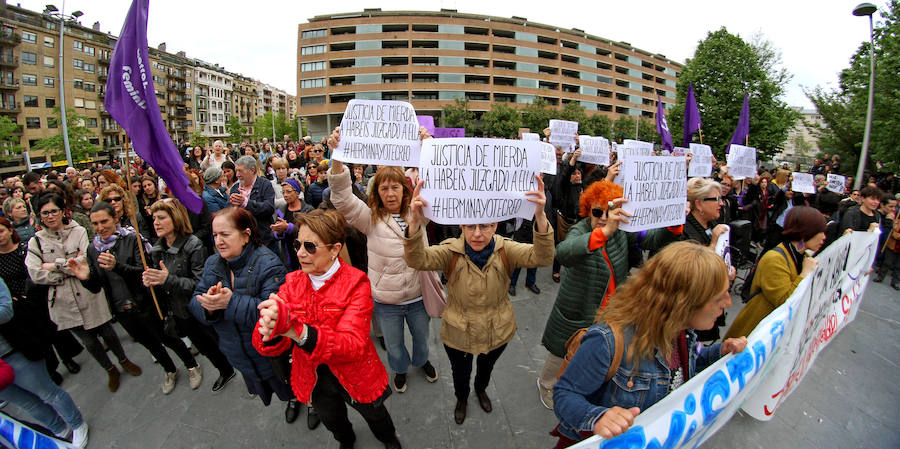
(114, 199)
(717, 199)
(598, 212)
(310, 247)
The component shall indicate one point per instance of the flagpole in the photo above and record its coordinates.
(131, 216)
(700, 130)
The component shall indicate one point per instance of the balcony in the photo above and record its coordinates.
(111, 129)
(179, 74)
(8, 84)
(9, 61)
(10, 38)
(102, 76)
(103, 59)
(10, 108)
(104, 112)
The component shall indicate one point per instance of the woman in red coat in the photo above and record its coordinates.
(326, 309)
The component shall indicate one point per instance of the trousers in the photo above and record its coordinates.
(330, 400)
(36, 394)
(461, 366)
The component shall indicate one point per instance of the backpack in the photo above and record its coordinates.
(574, 342)
(746, 293)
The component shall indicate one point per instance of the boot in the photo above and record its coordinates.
(113, 374)
(130, 367)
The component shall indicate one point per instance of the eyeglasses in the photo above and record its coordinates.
(47, 213)
(316, 151)
(598, 212)
(114, 199)
(310, 247)
(480, 227)
(717, 199)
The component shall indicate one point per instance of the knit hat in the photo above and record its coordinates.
(212, 174)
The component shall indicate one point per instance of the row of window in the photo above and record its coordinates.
(31, 101)
(79, 64)
(87, 49)
(32, 80)
(52, 122)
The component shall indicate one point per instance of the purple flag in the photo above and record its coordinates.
(131, 101)
(692, 121)
(428, 122)
(743, 126)
(662, 127)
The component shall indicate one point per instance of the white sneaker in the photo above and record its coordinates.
(169, 384)
(546, 395)
(80, 435)
(196, 376)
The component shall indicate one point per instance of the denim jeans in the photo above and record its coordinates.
(530, 276)
(390, 320)
(36, 394)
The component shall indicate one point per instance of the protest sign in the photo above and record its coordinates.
(379, 132)
(701, 161)
(679, 151)
(723, 245)
(449, 132)
(428, 122)
(836, 183)
(779, 352)
(531, 137)
(562, 134)
(16, 435)
(656, 190)
(635, 148)
(594, 150)
(803, 183)
(741, 162)
(548, 158)
(471, 181)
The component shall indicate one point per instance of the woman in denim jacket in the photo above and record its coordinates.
(684, 287)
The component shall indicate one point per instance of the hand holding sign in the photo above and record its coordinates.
(379, 132)
(615, 216)
(803, 183)
(836, 183)
(416, 209)
(615, 421)
(539, 198)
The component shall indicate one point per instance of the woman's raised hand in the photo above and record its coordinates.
(416, 209)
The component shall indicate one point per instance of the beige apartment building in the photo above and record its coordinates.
(432, 58)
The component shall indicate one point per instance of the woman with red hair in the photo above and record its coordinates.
(597, 257)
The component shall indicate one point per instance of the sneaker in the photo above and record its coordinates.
(430, 373)
(546, 395)
(169, 384)
(80, 435)
(130, 367)
(195, 375)
(400, 382)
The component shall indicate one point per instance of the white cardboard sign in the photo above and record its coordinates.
(594, 150)
(701, 161)
(656, 190)
(562, 134)
(741, 162)
(531, 137)
(548, 158)
(379, 132)
(803, 183)
(631, 147)
(836, 183)
(473, 181)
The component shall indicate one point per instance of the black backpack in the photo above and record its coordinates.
(746, 293)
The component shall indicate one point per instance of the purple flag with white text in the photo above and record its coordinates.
(662, 126)
(743, 127)
(692, 121)
(131, 101)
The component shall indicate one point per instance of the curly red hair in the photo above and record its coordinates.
(599, 192)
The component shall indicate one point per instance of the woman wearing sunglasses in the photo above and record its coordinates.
(478, 319)
(123, 203)
(324, 313)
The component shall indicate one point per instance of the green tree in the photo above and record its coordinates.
(598, 125)
(458, 115)
(197, 139)
(723, 69)
(536, 116)
(10, 136)
(844, 109)
(502, 121)
(79, 144)
(262, 127)
(235, 130)
(574, 112)
(623, 128)
(647, 131)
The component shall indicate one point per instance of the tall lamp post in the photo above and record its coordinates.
(867, 9)
(51, 11)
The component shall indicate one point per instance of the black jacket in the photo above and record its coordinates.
(261, 204)
(184, 260)
(123, 284)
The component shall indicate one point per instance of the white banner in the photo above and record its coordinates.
(531, 137)
(562, 134)
(635, 148)
(16, 435)
(701, 161)
(836, 183)
(594, 150)
(779, 353)
(656, 190)
(803, 183)
(741, 162)
(472, 181)
(548, 158)
(379, 132)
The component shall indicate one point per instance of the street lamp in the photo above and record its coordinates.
(867, 9)
(51, 11)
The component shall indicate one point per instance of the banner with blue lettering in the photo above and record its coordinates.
(779, 353)
(16, 435)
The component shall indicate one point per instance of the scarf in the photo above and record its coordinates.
(101, 244)
(480, 258)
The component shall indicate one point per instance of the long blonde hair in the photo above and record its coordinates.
(661, 298)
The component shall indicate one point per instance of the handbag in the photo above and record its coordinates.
(432, 293)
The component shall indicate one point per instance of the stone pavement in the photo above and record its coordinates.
(849, 399)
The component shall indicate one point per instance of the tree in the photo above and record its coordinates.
(79, 144)
(574, 112)
(10, 136)
(262, 127)
(198, 139)
(536, 116)
(623, 128)
(844, 109)
(502, 121)
(458, 115)
(723, 69)
(598, 125)
(647, 131)
(235, 130)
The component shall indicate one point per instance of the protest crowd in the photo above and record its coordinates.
(299, 266)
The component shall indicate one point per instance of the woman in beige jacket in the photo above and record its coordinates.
(479, 317)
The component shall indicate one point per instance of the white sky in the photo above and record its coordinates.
(259, 38)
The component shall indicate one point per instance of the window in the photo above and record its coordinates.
(33, 122)
(90, 87)
(91, 123)
(29, 80)
(50, 102)
(78, 84)
(78, 45)
(29, 37)
(31, 101)
(312, 83)
(312, 50)
(48, 41)
(48, 61)
(52, 122)
(90, 104)
(79, 102)
(78, 64)
(312, 66)
(309, 34)
(89, 50)
(89, 68)
(49, 81)
(29, 58)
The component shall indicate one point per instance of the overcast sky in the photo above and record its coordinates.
(259, 38)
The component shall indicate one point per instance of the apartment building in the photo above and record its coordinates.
(432, 58)
(213, 100)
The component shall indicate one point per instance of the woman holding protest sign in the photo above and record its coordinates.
(479, 318)
(781, 269)
(643, 345)
(396, 287)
